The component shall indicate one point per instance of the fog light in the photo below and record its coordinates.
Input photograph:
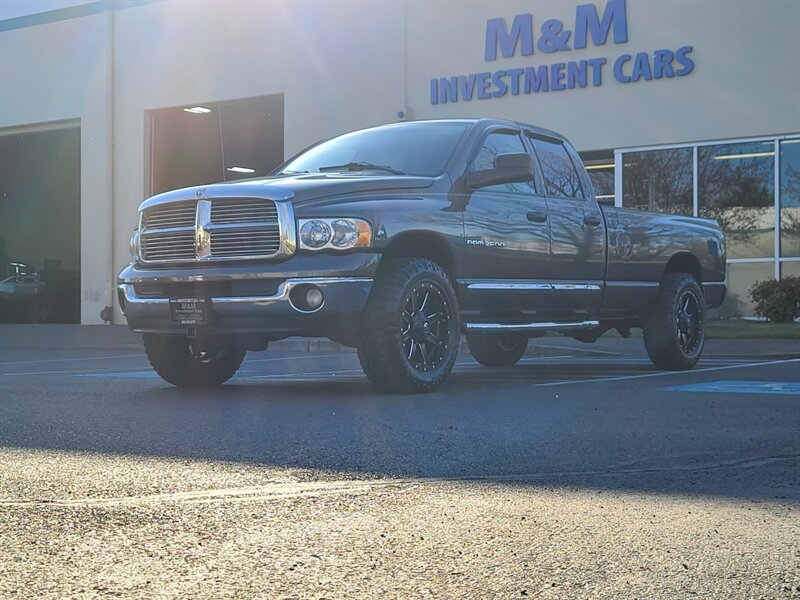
(314, 298)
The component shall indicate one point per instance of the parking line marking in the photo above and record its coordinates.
(52, 360)
(81, 371)
(667, 373)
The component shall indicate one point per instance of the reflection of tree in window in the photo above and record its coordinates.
(736, 188)
(603, 182)
(560, 176)
(658, 180)
(790, 198)
(496, 144)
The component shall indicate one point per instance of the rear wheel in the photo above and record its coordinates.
(674, 333)
(411, 327)
(497, 349)
(184, 363)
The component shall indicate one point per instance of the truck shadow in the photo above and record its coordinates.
(487, 424)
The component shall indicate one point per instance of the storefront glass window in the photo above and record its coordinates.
(790, 268)
(602, 176)
(658, 180)
(741, 277)
(790, 198)
(736, 187)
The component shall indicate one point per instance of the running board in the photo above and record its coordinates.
(469, 327)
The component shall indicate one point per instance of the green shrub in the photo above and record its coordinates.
(779, 301)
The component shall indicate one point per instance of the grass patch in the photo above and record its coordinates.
(741, 329)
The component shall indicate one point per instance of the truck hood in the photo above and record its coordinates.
(298, 188)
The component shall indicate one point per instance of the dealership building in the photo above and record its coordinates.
(675, 106)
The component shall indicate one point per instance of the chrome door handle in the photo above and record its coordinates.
(537, 217)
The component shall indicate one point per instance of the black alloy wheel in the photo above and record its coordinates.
(688, 322)
(426, 326)
(674, 332)
(411, 327)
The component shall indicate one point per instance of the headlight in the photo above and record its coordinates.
(315, 234)
(134, 244)
(336, 234)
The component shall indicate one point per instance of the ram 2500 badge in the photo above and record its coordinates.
(395, 240)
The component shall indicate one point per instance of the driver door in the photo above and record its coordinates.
(507, 238)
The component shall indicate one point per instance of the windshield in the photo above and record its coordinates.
(408, 148)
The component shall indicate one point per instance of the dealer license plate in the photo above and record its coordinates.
(189, 311)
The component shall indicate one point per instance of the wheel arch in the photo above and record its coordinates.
(423, 244)
(684, 262)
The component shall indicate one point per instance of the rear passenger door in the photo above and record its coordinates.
(507, 246)
(577, 230)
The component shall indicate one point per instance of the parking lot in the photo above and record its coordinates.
(581, 472)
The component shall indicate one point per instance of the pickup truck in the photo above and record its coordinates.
(397, 239)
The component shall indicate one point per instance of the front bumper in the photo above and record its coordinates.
(275, 312)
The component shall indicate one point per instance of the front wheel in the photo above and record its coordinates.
(674, 333)
(497, 349)
(411, 327)
(180, 362)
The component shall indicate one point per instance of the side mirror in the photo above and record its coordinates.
(508, 168)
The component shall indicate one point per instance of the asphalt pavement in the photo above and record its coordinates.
(582, 472)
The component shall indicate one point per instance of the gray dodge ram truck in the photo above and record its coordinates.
(397, 239)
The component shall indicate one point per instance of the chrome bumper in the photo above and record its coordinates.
(276, 315)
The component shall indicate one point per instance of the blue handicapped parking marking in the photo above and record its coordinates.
(738, 386)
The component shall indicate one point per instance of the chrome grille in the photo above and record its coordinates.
(170, 215)
(243, 210)
(245, 242)
(238, 228)
(175, 245)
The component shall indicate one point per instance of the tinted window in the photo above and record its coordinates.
(560, 176)
(494, 145)
(413, 148)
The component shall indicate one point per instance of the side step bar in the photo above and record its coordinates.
(470, 327)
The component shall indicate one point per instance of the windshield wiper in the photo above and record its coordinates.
(361, 166)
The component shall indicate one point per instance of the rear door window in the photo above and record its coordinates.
(561, 178)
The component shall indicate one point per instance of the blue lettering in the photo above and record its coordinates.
(587, 20)
(515, 74)
(484, 83)
(576, 74)
(557, 77)
(498, 35)
(597, 70)
(688, 63)
(434, 91)
(618, 74)
(448, 89)
(554, 38)
(466, 85)
(536, 79)
(502, 86)
(662, 64)
(641, 67)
